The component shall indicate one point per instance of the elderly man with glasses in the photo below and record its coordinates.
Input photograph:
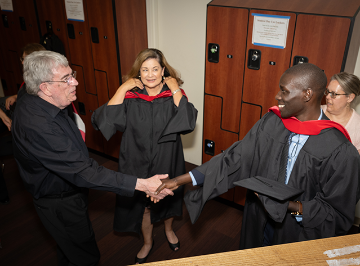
(54, 161)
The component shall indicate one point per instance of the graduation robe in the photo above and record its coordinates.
(150, 144)
(327, 169)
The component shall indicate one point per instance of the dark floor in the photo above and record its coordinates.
(25, 241)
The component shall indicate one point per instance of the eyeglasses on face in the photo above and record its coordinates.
(68, 80)
(332, 94)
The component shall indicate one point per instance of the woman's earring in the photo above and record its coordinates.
(163, 78)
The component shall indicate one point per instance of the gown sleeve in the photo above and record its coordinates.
(104, 118)
(182, 122)
(222, 171)
(331, 212)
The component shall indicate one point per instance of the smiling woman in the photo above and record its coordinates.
(340, 94)
(152, 111)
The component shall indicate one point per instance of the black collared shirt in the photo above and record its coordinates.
(52, 156)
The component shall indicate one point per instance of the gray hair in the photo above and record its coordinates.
(39, 67)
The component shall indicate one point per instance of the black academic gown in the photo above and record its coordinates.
(150, 145)
(327, 169)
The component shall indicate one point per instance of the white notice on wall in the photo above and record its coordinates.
(6, 5)
(75, 10)
(270, 30)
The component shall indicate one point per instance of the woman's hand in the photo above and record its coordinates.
(130, 84)
(174, 86)
(172, 83)
(119, 96)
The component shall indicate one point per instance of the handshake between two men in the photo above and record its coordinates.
(166, 185)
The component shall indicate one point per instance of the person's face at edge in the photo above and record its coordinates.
(338, 104)
(290, 98)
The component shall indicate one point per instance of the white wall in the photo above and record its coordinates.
(177, 28)
(357, 73)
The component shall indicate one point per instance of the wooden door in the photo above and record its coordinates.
(226, 27)
(78, 38)
(261, 86)
(11, 64)
(54, 11)
(322, 39)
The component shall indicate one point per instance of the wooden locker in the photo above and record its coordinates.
(223, 90)
(52, 18)
(78, 39)
(10, 53)
(116, 39)
(328, 48)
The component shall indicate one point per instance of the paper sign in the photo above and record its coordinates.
(270, 30)
(6, 5)
(74, 10)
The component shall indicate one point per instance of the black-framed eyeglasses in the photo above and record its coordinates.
(68, 80)
(333, 94)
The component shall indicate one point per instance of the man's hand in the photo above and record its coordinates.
(172, 184)
(167, 184)
(10, 101)
(150, 185)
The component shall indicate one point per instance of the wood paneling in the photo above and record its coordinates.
(81, 52)
(132, 39)
(212, 131)
(54, 11)
(94, 139)
(261, 86)
(227, 27)
(323, 7)
(11, 43)
(322, 40)
(250, 114)
(104, 53)
(26, 10)
(111, 147)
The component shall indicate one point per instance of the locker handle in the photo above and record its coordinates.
(94, 35)
(254, 59)
(300, 60)
(213, 52)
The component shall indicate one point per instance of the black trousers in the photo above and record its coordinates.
(67, 220)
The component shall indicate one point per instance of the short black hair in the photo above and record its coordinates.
(309, 76)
